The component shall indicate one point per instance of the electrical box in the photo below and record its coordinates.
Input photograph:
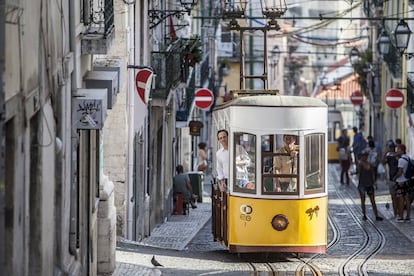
(90, 107)
(106, 80)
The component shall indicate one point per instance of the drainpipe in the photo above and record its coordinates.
(130, 196)
(2, 138)
(74, 136)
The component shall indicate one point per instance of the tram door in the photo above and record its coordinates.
(219, 206)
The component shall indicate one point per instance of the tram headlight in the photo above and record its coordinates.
(280, 222)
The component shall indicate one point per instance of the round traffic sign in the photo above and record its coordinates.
(357, 97)
(394, 98)
(143, 81)
(203, 98)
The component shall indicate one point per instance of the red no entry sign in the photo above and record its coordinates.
(143, 81)
(203, 98)
(357, 98)
(394, 98)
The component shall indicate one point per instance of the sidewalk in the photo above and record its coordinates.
(178, 230)
(174, 234)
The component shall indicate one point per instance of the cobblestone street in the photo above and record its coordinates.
(184, 245)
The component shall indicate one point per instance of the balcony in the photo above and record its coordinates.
(172, 66)
(100, 33)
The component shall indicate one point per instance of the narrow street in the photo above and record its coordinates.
(355, 247)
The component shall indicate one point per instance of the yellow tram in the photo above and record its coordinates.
(335, 125)
(276, 202)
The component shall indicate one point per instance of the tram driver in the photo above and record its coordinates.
(285, 163)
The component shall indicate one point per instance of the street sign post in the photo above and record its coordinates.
(357, 97)
(394, 98)
(204, 98)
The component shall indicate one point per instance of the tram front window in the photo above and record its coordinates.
(244, 162)
(280, 156)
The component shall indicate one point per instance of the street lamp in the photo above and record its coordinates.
(158, 16)
(354, 56)
(383, 43)
(275, 54)
(274, 57)
(402, 34)
(188, 4)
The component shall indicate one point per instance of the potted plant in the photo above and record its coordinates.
(195, 53)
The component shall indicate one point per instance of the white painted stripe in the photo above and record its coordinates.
(141, 84)
(203, 98)
(394, 99)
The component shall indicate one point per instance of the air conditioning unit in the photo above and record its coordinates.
(90, 108)
(103, 79)
(112, 65)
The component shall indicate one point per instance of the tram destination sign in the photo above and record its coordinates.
(203, 98)
(394, 98)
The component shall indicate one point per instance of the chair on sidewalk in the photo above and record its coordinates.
(181, 207)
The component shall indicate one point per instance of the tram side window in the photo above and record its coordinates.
(280, 155)
(245, 162)
(314, 163)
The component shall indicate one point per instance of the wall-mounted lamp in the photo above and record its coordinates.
(383, 43)
(354, 56)
(158, 16)
(402, 34)
(275, 54)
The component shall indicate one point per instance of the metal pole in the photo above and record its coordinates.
(2, 138)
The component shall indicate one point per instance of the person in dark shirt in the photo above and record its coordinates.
(358, 145)
(181, 184)
(344, 155)
(366, 185)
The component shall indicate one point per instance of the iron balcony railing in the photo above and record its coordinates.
(173, 66)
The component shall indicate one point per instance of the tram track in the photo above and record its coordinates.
(301, 269)
(258, 268)
(373, 238)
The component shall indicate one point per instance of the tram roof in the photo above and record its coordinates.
(274, 100)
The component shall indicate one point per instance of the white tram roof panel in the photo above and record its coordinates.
(274, 100)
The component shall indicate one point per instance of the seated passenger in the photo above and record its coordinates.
(286, 163)
(181, 184)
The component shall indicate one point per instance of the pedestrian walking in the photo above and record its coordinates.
(344, 154)
(390, 159)
(358, 145)
(373, 159)
(366, 185)
(202, 157)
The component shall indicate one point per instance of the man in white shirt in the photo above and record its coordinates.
(223, 159)
(401, 190)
